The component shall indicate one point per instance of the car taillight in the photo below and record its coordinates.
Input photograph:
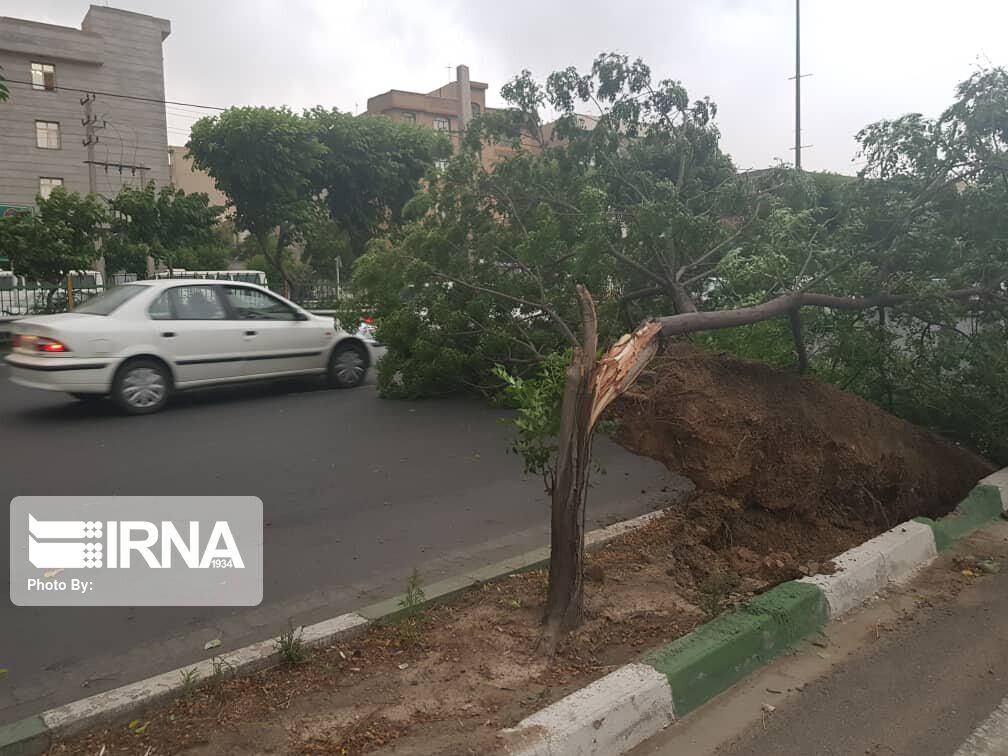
(50, 346)
(16, 341)
(369, 321)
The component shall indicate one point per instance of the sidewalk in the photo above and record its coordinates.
(913, 674)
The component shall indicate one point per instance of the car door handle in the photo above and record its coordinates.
(169, 334)
(250, 333)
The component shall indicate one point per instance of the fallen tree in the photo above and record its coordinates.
(641, 207)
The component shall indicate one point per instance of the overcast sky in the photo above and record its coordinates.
(870, 59)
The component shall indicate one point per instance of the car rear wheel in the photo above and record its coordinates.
(347, 366)
(141, 387)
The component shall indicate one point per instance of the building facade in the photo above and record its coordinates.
(449, 108)
(43, 130)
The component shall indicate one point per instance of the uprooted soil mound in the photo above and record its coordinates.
(775, 442)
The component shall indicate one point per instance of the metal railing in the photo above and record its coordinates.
(19, 298)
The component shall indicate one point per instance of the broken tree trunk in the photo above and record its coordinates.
(589, 388)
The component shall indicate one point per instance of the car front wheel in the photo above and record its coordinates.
(347, 366)
(141, 387)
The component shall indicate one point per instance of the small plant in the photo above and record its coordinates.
(714, 592)
(412, 600)
(291, 647)
(189, 678)
(220, 664)
(415, 595)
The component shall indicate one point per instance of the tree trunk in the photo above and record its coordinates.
(589, 388)
(565, 595)
(799, 340)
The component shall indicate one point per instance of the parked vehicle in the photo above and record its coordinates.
(140, 342)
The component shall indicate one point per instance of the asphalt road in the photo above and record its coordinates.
(357, 492)
(913, 675)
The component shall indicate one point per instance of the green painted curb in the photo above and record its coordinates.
(980, 507)
(27, 737)
(717, 655)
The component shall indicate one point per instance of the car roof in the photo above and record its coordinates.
(167, 283)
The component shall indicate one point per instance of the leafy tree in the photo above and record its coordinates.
(265, 160)
(313, 188)
(370, 169)
(174, 228)
(60, 238)
(4, 92)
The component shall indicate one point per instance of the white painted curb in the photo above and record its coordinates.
(79, 715)
(604, 535)
(1000, 481)
(865, 570)
(610, 716)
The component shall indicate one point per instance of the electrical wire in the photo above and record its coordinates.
(119, 94)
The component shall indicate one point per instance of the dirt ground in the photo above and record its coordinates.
(777, 442)
(789, 474)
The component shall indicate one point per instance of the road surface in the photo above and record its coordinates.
(357, 491)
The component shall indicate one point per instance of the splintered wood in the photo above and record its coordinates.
(620, 366)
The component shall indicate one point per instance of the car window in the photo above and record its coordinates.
(161, 308)
(253, 304)
(108, 301)
(197, 303)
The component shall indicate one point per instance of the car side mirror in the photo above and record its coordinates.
(300, 316)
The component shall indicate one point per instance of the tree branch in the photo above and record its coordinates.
(692, 322)
(555, 318)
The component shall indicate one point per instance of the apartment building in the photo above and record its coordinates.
(43, 126)
(448, 108)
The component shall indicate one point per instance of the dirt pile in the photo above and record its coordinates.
(775, 442)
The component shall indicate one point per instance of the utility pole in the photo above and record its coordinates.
(798, 76)
(90, 140)
(797, 88)
(91, 126)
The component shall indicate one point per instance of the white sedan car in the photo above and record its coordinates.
(141, 341)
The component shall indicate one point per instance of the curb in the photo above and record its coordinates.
(34, 735)
(715, 656)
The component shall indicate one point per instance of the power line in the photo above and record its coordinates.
(116, 94)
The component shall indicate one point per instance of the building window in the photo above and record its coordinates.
(411, 117)
(475, 110)
(441, 165)
(442, 124)
(46, 184)
(47, 135)
(43, 76)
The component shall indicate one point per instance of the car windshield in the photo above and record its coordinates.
(110, 300)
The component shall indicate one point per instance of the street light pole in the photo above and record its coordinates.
(797, 87)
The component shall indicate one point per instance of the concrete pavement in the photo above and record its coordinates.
(921, 672)
(357, 492)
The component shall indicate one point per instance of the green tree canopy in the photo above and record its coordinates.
(371, 168)
(265, 161)
(284, 172)
(61, 237)
(174, 228)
